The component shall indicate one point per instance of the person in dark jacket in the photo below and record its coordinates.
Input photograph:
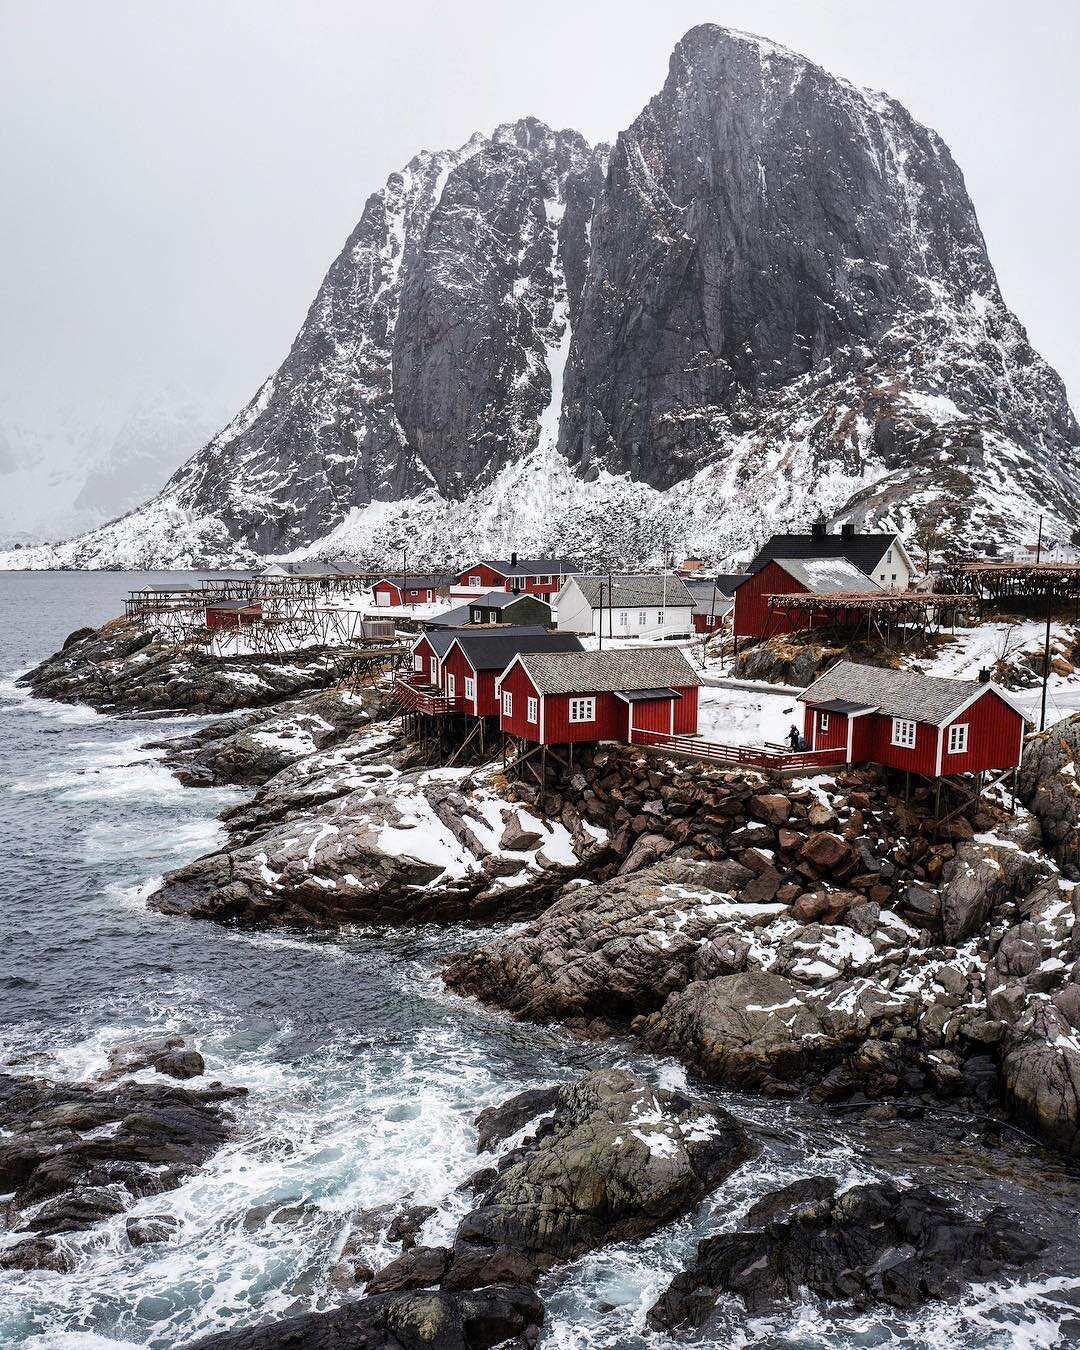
(794, 737)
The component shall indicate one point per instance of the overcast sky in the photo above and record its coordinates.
(178, 176)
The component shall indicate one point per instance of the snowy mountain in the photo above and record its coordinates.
(769, 301)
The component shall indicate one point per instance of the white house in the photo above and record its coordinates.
(625, 606)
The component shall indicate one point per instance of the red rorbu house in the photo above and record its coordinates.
(553, 697)
(459, 667)
(526, 576)
(230, 614)
(921, 723)
(412, 588)
(754, 616)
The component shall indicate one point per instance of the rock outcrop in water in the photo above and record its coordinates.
(123, 668)
(879, 1243)
(74, 1154)
(605, 1159)
(505, 1316)
(770, 300)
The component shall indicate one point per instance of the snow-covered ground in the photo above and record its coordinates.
(745, 716)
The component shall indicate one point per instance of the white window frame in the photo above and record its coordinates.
(507, 703)
(476, 582)
(543, 581)
(582, 710)
(642, 618)
(905, 731)
(624, 618)
(660, 618)
(430, 596)
(532, 713)
(823, 721)
(451, 685)
(418, 664)
(470, 687)
(888, 556)
(958, 738)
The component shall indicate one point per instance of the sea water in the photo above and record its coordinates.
(363, 1073)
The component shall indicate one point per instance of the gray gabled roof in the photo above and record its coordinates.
(526, 567)
(625, 590)
(495, 649)
(825, 575)
(500, 599)
(896, 693)
(609, 672)
(417, 580)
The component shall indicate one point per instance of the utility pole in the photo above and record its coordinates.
(600, 625)
(404, 577)
(1046, 656)
(1038, 542)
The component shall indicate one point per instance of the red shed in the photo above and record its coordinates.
(556, 697)
(904, 720)
(412, 588)
(427, 653)
(232, 613)
(793, 576)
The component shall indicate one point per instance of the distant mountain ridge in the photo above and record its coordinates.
(770, 300)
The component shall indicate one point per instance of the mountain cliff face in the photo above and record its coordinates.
(771, 301)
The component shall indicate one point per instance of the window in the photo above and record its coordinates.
(660, 618)
(476, 581)
(583, 710)
(430, 596)
(418, 664)
(476, 616)
(888, 559)
(642, 618)
(451, 686)
(823, 721)
(508, 703)
(624, 619)
(903, 732)
(493, 616)
(470, 687)
(534, 710)
(543, 581)
(958, 738)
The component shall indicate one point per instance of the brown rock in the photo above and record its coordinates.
(772, 807)
(828, 852)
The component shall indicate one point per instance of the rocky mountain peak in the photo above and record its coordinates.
(769, 301)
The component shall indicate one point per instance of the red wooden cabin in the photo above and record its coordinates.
(556, 697)
(230, 614)
(411, 589)
(793, 576)
(425, 664)
(527, 576)
(474, 661)
(903, 720)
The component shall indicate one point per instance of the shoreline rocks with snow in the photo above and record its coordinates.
(604, 1159)
(125, 667)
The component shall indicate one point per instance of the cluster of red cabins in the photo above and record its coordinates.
(544, 688)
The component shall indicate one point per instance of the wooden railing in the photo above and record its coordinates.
(752, 756)
(423, 698)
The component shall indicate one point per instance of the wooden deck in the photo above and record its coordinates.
(744, 756)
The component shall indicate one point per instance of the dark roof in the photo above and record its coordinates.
(864, 550)
(650, 695)
(526, 566)
(500, 599)
(896, 693)
(441, 639)
(727, 581)
(620, 671)
(495, 650)
(418, 580)
(625, 590)
(843, 705)
(823, 576)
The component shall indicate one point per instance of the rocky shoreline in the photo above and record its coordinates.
(822, 940)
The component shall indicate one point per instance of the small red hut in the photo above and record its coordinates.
(524, 576)
(413, 588)
(557, 697)
(922, 723)
(474, 661)
(230, 614)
